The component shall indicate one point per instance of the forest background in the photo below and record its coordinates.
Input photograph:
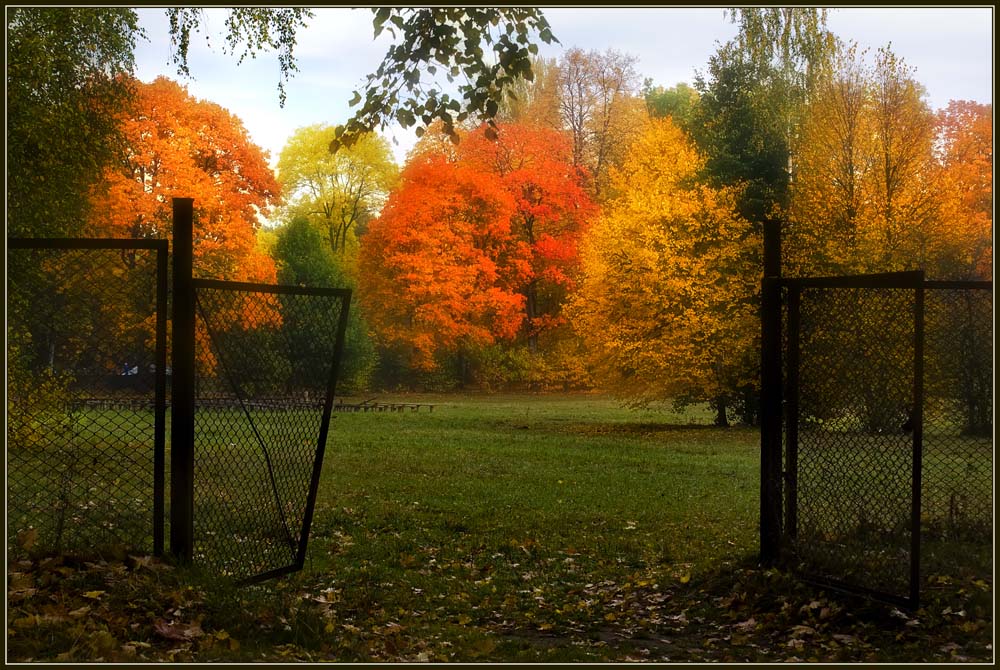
(584, 227)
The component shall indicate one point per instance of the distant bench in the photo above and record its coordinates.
(205, 402)
(265, 404)
(374, 406)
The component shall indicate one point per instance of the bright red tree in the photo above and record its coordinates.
(439, 269)
(552, 210)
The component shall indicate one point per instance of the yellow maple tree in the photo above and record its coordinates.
(863, 194)
(666, 304)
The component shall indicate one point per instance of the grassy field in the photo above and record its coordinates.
(503, 528)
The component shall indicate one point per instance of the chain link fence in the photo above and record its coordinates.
(264, 367)
(956, 515)
(85, 396)
(888, 449)
(850, 493)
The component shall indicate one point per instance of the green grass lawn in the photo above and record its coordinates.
(503, 528)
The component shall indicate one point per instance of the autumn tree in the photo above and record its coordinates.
(179, 146)
(964, 184)
(68, 71)
(665, 305)
(959, 325)
(534, 165)
(337, 192)
(601, 108)
(835, 161)
(535, 101)
(440, 272)
(864, 198)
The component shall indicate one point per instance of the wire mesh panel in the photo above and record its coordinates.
(957, 496)
(266, 361)
(85, 396)
(852, 458)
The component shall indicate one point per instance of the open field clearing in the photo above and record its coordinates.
(504, 528)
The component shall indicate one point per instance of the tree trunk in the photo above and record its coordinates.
(531, 309)
(462, 362)
(721, 420)
(749, 406)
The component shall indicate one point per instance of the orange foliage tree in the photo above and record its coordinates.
(552, 210)
(178, 146)
(439, 269)
(965, 187)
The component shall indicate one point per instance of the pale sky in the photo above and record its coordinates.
(951, 49)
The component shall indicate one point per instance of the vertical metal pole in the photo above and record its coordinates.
(331, 389)
(918, 440)
(160, 400)
(770, 385)
(792, 414)
(182, 386)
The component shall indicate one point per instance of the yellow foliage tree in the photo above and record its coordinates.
(666, 305)
(863, 196)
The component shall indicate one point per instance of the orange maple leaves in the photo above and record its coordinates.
(475, 245)
(177, 146)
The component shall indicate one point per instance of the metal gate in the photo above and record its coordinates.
(877, 450)
(853, 426)
(255, 370)
(252, 374)
(86, 392)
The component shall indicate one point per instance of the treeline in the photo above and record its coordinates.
(603, 232)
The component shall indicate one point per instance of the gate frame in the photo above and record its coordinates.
(160, 346)
(789, 389)
(183, 389)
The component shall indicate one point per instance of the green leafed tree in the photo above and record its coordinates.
(304, 259)
(752, 102)
(67, 82)
(338, 192)
(484, 48)
(677, 102)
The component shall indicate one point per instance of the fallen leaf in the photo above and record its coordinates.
(80, 613)
(94, 595)
(26, 539)
(180, 632)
